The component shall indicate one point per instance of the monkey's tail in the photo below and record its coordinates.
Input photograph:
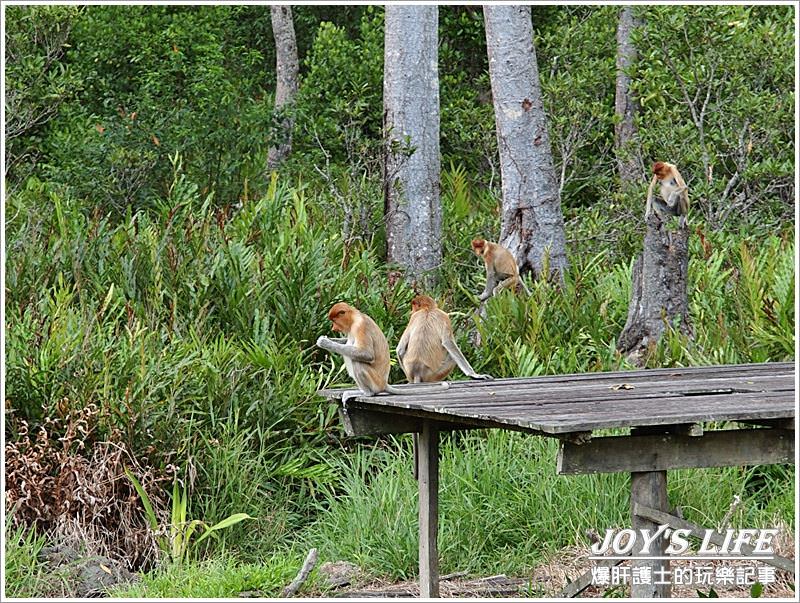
(417, 389)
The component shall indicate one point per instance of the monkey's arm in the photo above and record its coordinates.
(355, 353)
(649, 208)
(491, 283)
(455, 353)
(402, 346)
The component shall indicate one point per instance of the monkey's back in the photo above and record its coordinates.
(426, 358)
(503, 261)
(377, 371)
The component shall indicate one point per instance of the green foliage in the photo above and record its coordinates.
(177, 541)
(577, 69)
(24, 575)
(221, 578)
(160, 80)
(340, 100)
(723, 79)
(37, 79)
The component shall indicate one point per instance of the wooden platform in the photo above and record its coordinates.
(667, 418)
(584, 402)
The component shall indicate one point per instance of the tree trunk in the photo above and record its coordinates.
(532, 224)
(625, 105)
(288, 70)
(411, 133)
(659, 290)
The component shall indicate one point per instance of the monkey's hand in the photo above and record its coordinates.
(480, 377)
(323, 342)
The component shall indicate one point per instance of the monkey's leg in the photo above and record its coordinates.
(511, 281)
(487, 291)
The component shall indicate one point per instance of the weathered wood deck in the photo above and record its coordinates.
(667, 412)
(584, 402)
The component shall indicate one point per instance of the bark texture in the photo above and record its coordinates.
(288, 74)
(625, 104)
(411, 132)
(532, 223)
(659, 289)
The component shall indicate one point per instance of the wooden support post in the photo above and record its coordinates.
(428, 510)
(649, 488)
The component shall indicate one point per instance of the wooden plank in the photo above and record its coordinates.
(468, 394)
(465, 397)
(428, 481)
(678, 373)
(511, 402)
(447, 422)
(677, 523)
(552, 421)
(622, 405)
(676, 451)
(650, 489)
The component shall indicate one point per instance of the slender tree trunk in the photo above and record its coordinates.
(411, 133)
(625, 104)
(288, 72)
(532, 224)
(659, 296)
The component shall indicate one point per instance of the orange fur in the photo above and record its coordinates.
(501, 267)
(427, 349)
(672, 190)
(365, 352)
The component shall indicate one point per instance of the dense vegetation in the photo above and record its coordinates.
(163, 292)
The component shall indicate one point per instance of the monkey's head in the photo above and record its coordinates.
(661, 169)
(478, 246)
(422, 302)
(341, 315)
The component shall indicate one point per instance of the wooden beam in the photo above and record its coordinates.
(359, 422)
(428, 481)
(650, 488)
(658, 452)
(676, 523)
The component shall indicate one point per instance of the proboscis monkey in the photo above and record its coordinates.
(673, 192)
(428, 350)
(365, 352)
(501, 268)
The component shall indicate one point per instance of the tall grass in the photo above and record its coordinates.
(25, 575)
(503, 508)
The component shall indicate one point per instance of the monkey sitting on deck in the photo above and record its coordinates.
(365, 352)
(501, 268)
(428, 350)
(673, 193)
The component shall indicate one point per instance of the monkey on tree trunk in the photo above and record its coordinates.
(673, 193)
